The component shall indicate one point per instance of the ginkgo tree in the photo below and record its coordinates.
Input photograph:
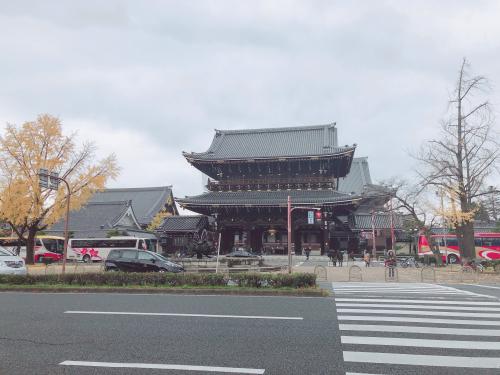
(41, 144)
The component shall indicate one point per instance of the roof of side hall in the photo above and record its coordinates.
(146, 202)
(289, 142)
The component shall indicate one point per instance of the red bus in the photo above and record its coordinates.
(487, 246)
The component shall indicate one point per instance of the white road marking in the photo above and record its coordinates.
(418, 320)
(299, 264)
(421, 343)
(187, 315)
(421, 306)
(484, 286)
(427, 330)
(419, 301)
(422, 360)
(468, 292)
(420, 312)
(420, 290)
(233, 370)
(399, 291)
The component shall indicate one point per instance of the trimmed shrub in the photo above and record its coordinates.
(117, 279)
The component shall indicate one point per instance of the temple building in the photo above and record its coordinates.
(251, 174)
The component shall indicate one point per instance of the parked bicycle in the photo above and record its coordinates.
(474, 266)
(409, 262)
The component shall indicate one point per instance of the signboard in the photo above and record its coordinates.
(310, 217)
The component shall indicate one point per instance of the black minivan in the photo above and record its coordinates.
(133, 260)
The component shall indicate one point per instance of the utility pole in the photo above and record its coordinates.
(289, 228)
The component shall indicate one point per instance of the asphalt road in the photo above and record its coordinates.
(367, 328)
(37, 334)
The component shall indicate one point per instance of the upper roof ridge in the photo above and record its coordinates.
(275, 129)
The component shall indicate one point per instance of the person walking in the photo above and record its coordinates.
(340, 257)
(367, 259)
(334, 258)
(308, 251)
(391, 262)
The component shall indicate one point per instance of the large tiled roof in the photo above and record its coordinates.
(381, 221)
(94, 219)
(146, 202)
(357, 178)
(268, 198)
(192, 223)
(272, 143)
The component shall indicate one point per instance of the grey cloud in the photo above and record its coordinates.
(176, 70)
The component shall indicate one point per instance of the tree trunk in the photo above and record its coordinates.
(466, 243)
(30, 245)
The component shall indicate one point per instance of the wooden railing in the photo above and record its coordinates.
(276, 182)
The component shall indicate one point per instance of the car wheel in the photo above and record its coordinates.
(452, 259)
(86, 259)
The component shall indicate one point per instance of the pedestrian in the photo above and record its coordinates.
(391, 262)
(340, 257)
(367, 259)
(308, 251)
(334, 258)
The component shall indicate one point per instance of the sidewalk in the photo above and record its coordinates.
(450, 274)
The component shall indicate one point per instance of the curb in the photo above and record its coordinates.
(304, 293)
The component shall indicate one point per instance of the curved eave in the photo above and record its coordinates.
(202, 157)
(187, 204)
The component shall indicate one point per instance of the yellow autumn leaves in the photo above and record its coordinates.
(24, 150)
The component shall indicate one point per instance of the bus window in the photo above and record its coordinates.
(53, 245)
(451, 241)
(478, 241)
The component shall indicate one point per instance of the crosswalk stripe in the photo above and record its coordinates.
(424, 330)
(422, 291)
(421, 343)
(418, 320)
(426, 301)
(420, 306)
(422, 360)
(398, 292)
(420, 312)
(370, 316)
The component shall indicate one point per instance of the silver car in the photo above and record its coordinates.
(11, 264)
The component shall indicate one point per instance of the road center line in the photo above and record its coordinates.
(187, 315)
(233, 370)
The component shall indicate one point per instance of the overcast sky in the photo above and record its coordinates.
(150, 79)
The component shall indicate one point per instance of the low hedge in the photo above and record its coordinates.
(256, 280)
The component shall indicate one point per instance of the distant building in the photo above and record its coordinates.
(97, 219)
(147, 202)
(252, 172)
(177, 233)
(127, 211)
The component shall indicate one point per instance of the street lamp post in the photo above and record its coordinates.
(51, 181)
